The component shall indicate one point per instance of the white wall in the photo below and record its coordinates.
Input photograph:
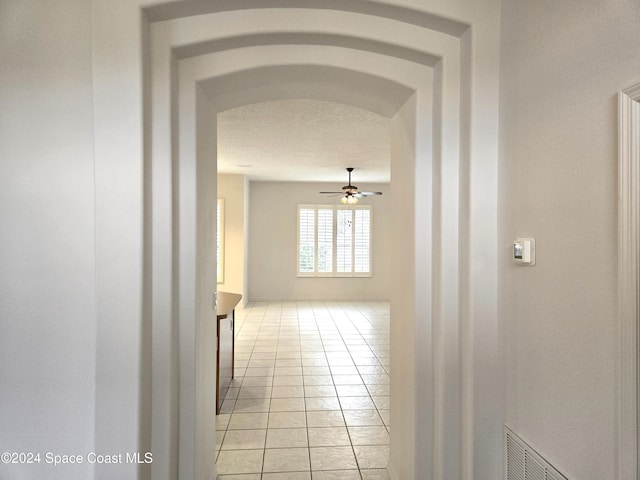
(47, 242)
(273, 244)
(403, 269)
(562, 66)
(205, 321)
(123, 379)
(231, 188)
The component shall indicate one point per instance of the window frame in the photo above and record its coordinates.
(334, 265)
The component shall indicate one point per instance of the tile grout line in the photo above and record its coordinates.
(315, 312)
(355, 457)
(304, 393)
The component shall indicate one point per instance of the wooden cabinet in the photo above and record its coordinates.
(226, 303)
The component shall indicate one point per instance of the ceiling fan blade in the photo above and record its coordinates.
(350, 190)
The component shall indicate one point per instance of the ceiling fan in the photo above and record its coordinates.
(350, 193)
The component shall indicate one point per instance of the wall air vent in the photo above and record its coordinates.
(523, 463)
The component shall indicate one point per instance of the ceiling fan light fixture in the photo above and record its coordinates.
(349, 200)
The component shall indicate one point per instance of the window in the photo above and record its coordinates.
(220, 240)
(334, 241)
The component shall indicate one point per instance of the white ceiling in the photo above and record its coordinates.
(304, 140)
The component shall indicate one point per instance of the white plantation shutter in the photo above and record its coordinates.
(306, 240)
(325, 240)
(334, 241)
(344, 240)
(362, 241)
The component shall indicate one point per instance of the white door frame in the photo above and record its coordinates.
(628, 279)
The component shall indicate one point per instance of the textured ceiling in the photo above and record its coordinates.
(304, 140)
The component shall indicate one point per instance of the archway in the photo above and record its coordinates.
(197, 88)
(447, 337)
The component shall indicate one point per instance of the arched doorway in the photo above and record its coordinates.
(445, 327)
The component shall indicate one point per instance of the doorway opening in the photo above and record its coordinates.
(197, 173)
(193, 77)
(313, 370)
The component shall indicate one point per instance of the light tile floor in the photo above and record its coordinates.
(310, 398)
